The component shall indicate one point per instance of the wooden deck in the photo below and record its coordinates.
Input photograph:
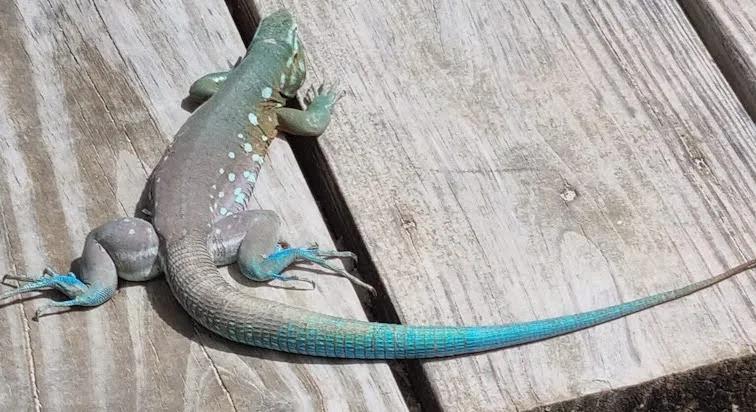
(491, 163)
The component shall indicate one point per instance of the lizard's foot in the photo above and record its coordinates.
(271, 266)
(313, 121)
(49, 279)
(92, 296)
(47, 272)
(328, 254)
(81, 293)
(327, 94)
(313, 254)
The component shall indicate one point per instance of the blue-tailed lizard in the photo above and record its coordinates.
(197, 219)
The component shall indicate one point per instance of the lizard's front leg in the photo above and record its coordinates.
(314, 120)
(206, 86)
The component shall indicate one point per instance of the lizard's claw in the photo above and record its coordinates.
(329, 92)
(287, 278)
(314, 255)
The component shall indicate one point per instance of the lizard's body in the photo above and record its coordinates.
(196, 199)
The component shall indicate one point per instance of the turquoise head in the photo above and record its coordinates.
(277, 34)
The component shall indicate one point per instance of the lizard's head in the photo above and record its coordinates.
(279, 31)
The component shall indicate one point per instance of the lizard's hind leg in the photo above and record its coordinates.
(248, 237)
(124, 247)
(262, 257)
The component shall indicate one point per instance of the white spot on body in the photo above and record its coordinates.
(231, 177)
(267, 92)
(240, 136)
(132, 231)
(247, 147)
(217, 231)
(250, 176)
(223, 211)
(237, 190)
(257, 158)
(231, 155)
(221, 194)
(221, 171)
(253, 119)
(241, 199)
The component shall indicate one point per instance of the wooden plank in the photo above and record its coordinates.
(728, 28)
(722, 386)
(91, 93)
(511, 161)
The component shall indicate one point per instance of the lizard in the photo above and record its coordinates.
(196, 218)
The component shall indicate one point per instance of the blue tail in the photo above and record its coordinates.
(319, 335)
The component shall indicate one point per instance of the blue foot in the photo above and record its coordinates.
(91, 297)
(80, 293)
(313, 254)
(65, 283)
(272, 266)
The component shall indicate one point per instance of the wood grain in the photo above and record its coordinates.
(728, 28)
(510, 161)
(91, 92)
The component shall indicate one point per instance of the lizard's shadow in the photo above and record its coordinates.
(190, 104)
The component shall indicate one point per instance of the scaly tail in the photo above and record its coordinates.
(218, 306)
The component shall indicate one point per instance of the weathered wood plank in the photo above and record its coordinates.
(509, 161)
(728, 28)
(90, 95)
(722, 386)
